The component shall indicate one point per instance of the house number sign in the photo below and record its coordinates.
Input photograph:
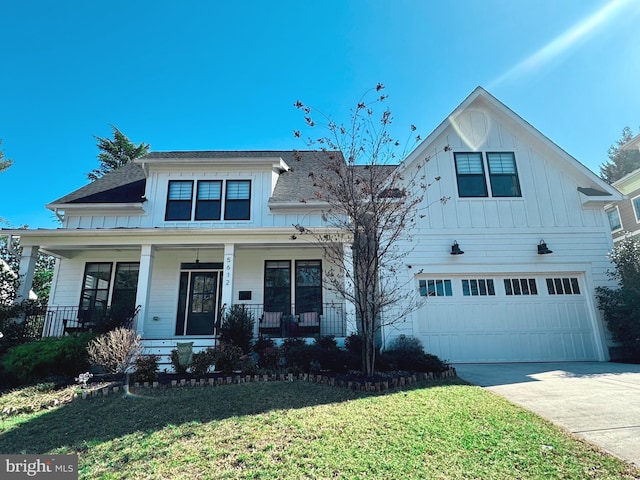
(228, 267)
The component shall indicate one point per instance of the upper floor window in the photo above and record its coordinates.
(179, 200)
(208, 204)
(209, 200)
(237, 200)
(470, 172)
(614, 219)
(472, 181)
(636, 208)
(503, 175)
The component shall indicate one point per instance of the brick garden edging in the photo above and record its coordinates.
(367, 386)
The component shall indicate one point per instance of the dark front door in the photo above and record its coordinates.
(198, 303)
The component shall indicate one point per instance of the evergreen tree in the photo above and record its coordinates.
(621, 162)
(116, 153)
(4, 163)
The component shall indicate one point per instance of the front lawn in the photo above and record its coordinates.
(445, 430)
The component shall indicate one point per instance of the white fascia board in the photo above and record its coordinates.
(277, 163)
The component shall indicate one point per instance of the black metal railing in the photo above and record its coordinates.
(285, 323)
(65, 320)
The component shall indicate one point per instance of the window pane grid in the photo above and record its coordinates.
(563, 286)
(520, 286)
(180, 190)
(478, 287)
(238, 190)
(209, 190)
(435, 288)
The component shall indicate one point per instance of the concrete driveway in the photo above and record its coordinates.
(597, 401)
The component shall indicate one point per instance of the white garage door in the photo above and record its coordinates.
(510, 318)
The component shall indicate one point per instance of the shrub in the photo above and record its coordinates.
(268, 353)
(178, 366)
(227, 357)
(115, 351)
(237, 328)
(621, 307)
(49, 357)
(407, 353)
(147, 368)
(202, 362)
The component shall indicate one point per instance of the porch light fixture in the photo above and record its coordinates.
(543, 249)
(455, 249)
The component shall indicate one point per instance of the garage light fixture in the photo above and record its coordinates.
(543, 249)
(455, 249)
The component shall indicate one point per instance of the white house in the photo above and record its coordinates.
(183, 235)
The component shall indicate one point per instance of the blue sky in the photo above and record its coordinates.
(209, 75)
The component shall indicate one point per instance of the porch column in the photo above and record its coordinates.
(144, 285)
(349, 307)
(25, 272)
(227, 275)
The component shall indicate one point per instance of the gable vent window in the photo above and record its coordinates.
(179, 200)
(520, 286)
(472, 179)
(478, 287)
(237, 200)
(563, 286)
(208, 203)
(435, 288)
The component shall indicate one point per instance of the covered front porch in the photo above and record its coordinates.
(177, 285)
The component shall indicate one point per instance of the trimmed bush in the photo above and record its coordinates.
(407, 353)
(227, 358)
(49, 357)
(268, 353)
(147, 368)
(202, 362)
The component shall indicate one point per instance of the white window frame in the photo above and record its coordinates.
(611, 210)
(635, 209)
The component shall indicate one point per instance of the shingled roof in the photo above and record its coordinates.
(122, 185)
(127, 183)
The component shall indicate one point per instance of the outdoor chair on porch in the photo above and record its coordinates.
(309, 323)
(270, 324)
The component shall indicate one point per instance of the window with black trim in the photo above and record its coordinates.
(478, 287)
(209, 200)
(503, 175)
(95, 288)
(308, 286)
(277, 286)
(179, 199)
(563, 286)
(520, 286)
(237, 200)
(125, 286)
(435, 288)
(501, 170)
(470, 174)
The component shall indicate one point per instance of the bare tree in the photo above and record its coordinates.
(372, 200)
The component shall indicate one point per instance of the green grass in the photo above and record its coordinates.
(294, 430)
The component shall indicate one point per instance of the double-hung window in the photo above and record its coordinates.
(237, 200)
(614, 219)
(636, 207)
(503, 175)
(208, 203)
(179, 200)
(470, 173)
(500, 168)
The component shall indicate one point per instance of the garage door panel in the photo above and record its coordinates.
(507, 328)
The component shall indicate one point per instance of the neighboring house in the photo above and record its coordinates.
(184, 235)
(624, 216)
